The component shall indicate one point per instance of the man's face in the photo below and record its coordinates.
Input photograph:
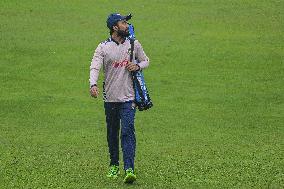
(122, 28)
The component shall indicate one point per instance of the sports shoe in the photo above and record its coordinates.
(130, 177)
(113, 171)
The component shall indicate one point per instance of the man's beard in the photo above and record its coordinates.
(122, 33)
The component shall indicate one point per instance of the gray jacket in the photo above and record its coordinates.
(118, 85)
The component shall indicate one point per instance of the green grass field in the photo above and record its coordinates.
(215, 77)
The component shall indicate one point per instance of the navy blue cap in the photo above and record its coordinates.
(114, 18)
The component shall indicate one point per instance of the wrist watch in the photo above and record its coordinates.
(93, 85)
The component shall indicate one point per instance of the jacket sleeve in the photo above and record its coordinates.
(96, 64)
(141, 56)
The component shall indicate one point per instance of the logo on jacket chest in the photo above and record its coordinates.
(119, 64)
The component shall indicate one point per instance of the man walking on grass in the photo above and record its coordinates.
(118, 93)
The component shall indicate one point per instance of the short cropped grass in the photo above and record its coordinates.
(215, 77)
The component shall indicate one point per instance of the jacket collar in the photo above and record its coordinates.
(117, 42)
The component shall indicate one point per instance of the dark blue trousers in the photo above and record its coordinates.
(121, 114)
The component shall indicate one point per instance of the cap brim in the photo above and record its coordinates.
(128, 17)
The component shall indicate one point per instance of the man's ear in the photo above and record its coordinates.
(115, 28)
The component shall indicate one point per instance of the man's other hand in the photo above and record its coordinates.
(94, 91)
(132, 67)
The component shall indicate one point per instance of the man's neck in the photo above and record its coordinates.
(117, 38)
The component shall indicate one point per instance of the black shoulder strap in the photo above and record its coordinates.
(131, 49)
